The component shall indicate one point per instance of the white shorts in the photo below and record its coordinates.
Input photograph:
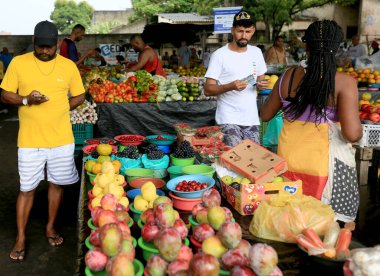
(59, 162)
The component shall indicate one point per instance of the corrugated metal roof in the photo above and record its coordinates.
(183, 18)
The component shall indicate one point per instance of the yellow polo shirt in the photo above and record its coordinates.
(48, 124)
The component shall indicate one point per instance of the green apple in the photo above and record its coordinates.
(227, 179)
(278, 179)
(237, 179)
(245, 181)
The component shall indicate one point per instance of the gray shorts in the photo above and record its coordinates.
(59, 163)
(234, 134)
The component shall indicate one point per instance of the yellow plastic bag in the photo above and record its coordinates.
(284, 216)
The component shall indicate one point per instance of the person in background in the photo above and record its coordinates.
(194, 60)
(356, 49)
(206, 58)
(184, 54)
(375, 47)
(174, 58)
(68, 49)
(96, 59)
(165, 59)
(236, 110)
(6, 58)
(148, 58)
(314, 99)
(37, 82)
(276, 54)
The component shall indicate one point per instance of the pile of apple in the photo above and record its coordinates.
(369, 110)
(113, 248)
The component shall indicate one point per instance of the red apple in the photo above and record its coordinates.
(374, 117)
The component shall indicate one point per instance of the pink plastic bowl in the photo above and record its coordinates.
(184, 204)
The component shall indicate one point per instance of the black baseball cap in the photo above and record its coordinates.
(244, 18)
(45, 33)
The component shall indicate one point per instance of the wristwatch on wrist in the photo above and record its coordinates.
(24, 101)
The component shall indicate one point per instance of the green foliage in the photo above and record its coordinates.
(205, 7)
(67, 13)
(276, 13)
(150, 8)
(104, 27)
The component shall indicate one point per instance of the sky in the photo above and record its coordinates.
(19, 17)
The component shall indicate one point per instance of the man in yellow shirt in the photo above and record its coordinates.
(38, 82)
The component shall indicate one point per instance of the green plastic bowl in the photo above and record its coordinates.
(175, 171)
(223, 272)
(135, 173)
(136, 214)
(140, 224)
(182, 161)
(160, 173)
(139, 270)
(199, 169)
(90, 246)
(149, 249)
(93, 227)
(91, 176)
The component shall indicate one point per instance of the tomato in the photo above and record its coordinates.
(133, 78)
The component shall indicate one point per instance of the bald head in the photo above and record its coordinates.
(137, 42)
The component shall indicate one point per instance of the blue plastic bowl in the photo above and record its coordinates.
(196, 177)
(165, 149)
(169, 139)
(135, 192)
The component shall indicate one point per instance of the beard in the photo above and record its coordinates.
(44, 57)
(242, 43)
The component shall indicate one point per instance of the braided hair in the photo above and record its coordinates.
(317, 87)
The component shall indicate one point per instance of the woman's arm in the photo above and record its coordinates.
(272, 105)
(347, 104)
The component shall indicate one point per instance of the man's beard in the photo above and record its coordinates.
(44, 57)
(242, 44)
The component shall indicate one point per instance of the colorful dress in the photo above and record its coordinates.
(305, 146)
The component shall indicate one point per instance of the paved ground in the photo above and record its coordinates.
(42, 259)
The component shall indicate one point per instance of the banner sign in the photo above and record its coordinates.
(223, 19)
(110, 51)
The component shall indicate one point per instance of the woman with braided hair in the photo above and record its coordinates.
(320, 122)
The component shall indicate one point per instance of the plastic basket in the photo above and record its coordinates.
(371, 136)
(82, 132)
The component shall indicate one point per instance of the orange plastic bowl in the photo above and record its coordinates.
(184, 204)
(138, 182)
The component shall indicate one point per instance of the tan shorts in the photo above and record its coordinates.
(59, 163)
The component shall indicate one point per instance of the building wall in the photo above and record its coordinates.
(370, 19)
(17, 43)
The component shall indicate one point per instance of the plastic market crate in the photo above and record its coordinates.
(371, 136)
(82, 132)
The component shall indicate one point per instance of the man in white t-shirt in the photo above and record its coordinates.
(236, 109)
(356, 49)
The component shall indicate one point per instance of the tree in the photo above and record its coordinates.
(205, 7)
(67, 13)
(150, 8)
(104, 27)
(276, 13)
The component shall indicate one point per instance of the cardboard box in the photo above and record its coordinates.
(249, 196)
(254, 162)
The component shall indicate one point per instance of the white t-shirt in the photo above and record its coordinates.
(356, 51)
(236, 107)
